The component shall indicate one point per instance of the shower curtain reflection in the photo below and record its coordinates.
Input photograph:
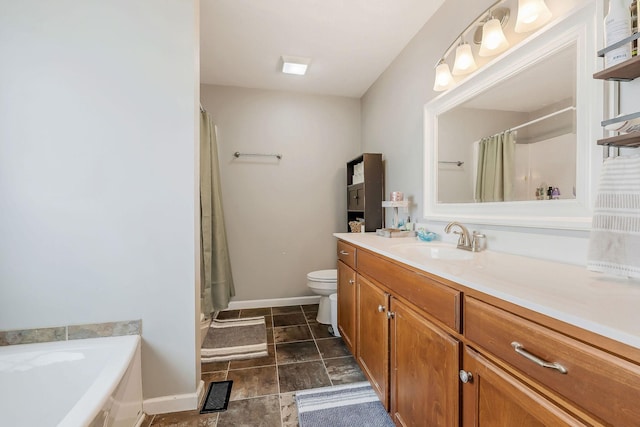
(216, 278)
(494, 181)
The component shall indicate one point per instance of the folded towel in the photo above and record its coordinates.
(614, 244)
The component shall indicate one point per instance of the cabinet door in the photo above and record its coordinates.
(372, 337)
(347, 305)
(356, 198)
(424, 371)
(492, 397)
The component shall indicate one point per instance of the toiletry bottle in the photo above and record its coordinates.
(617, 26)
(634, 26)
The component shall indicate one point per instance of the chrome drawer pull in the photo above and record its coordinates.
(351, 281)
(344, 253)
(522, 352)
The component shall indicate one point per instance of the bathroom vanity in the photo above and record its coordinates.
(449, 337)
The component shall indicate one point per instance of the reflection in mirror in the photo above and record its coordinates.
(542, 90)
(536, 160)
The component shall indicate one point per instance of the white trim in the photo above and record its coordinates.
(175, 403)
(275, 302)
(571, 214)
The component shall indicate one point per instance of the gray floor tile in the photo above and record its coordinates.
(253, 382)
(344, 370)
(287, 309)
(291, 333)
(332, 347)
(301, 351)
(256, 412)
(289, 319)
(302, 376)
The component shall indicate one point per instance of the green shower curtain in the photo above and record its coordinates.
(216, 279)
(496, 158)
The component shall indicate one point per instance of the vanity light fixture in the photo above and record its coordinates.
(465, 63)
(444, 79)
(295, 65)
(532, 14)
(493, 39)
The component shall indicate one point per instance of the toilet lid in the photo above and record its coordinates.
(323, 275)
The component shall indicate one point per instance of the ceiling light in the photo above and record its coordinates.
(465, 63)
(532, 14)
(295, 65)
(444, 79)
(493, 39)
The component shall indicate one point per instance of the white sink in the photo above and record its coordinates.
(432, 250)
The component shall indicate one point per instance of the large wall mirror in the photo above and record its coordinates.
(537, 106)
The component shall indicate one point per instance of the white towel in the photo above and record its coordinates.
(614, 244)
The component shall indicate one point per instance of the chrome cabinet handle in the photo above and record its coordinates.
(351, 281)
(344, 253)
(381, 308)
(535, 359)
(390, 315)
(465, 376)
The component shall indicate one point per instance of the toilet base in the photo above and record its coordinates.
(324, 311)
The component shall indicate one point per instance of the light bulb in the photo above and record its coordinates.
(532, 14)
(493, 39)
(464, 63)
(444, 79)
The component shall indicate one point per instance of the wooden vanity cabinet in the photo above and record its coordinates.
(411, 362)
(424, 370)
(372, 335)
(347, 295)
(492, 397)
(436, 360)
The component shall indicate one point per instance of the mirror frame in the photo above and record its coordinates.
(576, 28)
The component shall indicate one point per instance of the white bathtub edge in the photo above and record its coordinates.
(174, 403)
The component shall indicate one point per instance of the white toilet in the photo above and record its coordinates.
(323, 283)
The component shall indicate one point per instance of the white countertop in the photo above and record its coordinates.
(606, 305)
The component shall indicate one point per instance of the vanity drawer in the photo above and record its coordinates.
(435, 299)
(600, 383)
(347, 254)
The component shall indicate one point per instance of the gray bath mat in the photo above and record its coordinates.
(235, 339)
(217, 398)
(341, 406)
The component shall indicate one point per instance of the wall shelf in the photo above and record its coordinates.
(624, 140)
(625, 71)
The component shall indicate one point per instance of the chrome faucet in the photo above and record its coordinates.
(466, 241)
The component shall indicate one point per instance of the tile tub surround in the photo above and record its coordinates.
(71, 332)
(598, 303)
(302, 355)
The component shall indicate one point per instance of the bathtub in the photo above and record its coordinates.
(87, 382)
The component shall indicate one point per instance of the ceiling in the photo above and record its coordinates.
(540, 84)
(350, 42)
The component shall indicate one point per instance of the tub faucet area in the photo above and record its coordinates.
(466, 241)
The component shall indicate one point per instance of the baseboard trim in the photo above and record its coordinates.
(175, 403)
(275, 302)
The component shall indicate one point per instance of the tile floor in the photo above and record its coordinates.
(302, 355)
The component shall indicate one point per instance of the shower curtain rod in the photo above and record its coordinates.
(539, 119)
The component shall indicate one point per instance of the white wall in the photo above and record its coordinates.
(280, 215)
(392, 123)
(98, 115)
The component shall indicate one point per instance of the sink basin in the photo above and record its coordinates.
(433, 251)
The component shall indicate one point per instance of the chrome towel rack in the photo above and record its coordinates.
(457, 162)
(238, 154)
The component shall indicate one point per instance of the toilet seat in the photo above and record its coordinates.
(323, 276)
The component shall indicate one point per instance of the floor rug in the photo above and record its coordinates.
(217, 398)
(346, 405)
(235, 339)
